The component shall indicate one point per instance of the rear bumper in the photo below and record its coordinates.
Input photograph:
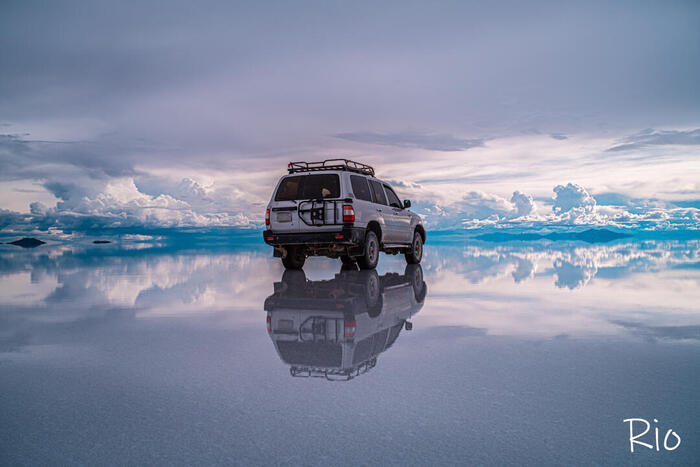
(346, 236)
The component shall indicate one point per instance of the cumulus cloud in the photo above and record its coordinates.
(572, 197)
(412, 139)
(477, 208)
(572, 205)
(524, 204)
(120, 204)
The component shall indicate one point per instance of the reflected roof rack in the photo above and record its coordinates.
(331, 164)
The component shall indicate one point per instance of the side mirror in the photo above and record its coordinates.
(408, 326)
(406, 203)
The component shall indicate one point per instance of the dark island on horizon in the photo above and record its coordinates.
(27, 242)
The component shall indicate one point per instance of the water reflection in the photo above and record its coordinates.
(336, 328)
(571, 265)
(539, 290)
(159, 355)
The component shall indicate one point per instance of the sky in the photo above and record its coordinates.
(486, 115)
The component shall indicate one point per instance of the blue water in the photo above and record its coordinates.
(524, 353)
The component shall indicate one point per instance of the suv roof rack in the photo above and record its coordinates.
(331, 164)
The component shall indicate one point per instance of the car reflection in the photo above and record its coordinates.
(335, 329)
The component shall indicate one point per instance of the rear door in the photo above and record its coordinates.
(320, 192)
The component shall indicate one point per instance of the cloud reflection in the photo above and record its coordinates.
(528, 289)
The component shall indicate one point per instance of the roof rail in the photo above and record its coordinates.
(331, 164)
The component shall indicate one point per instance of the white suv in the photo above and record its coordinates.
(338, 208)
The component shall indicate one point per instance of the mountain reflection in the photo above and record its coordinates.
(336, 328)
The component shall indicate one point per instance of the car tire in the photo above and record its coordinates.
(295, 258)
(370, 257)
(415, 254)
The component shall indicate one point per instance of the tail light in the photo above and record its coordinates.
(269, 324)
(349, 329)
(348, 213)
(267, 217)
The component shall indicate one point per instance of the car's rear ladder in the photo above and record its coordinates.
(318, 212)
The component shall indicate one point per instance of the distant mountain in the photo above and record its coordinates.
(27, 242)
(589, 236)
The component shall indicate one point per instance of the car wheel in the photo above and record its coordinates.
(370, 258)
(295, 258)
(416, 253)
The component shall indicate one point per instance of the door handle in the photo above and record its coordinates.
(379, 210)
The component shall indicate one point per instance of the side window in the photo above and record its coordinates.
(393, 199)
(378, 191)
(360, 187)
(289, 189)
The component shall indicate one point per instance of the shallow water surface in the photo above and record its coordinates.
(488, 353)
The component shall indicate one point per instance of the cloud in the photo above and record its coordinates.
(408, 185)
(524, 204)
(121, 205)
(572, 205)
(651, 137)
(572, 197)
(476, 208)
(38, 209)
(119, 193)
(22, 157)
(409, 139)
(97, 185)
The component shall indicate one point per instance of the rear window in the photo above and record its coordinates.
(379, 196)
(309, 187)
(360, 187)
